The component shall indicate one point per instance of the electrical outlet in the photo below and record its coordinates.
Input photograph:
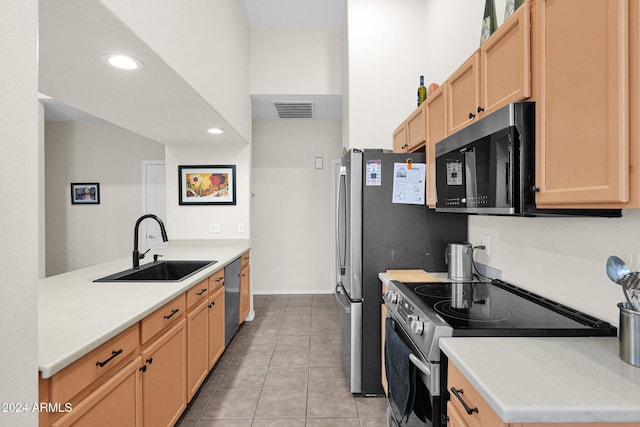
(485, 243)
(240, 227)
(214, 227)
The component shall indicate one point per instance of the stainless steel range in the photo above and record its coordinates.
(421, 313)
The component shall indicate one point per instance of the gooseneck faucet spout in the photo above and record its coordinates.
(136, 255)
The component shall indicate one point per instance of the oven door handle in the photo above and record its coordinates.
(420, 365)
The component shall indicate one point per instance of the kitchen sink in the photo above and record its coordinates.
(159, 271)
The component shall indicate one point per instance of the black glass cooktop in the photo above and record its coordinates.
(500, 309)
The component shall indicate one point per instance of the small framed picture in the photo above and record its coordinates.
(207, 185)
(85, 193)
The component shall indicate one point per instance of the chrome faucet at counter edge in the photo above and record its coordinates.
(137, 256)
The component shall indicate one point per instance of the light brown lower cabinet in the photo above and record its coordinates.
(245, 288)
(118, 402)
(216, 320)
(197, 346)
(164, 381)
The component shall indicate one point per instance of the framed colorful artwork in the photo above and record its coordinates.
(85, 193)
(207, 185)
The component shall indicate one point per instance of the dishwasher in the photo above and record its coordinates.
(231, 300)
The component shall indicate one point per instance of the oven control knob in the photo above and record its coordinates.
(417, 327)
(392, 297)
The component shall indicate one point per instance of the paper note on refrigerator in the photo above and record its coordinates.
(373, 172)
(409, 183)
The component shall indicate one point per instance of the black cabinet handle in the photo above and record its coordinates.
(149, 360)
(202, 291)
(219, 279)
(174, 311)
(480, 109)
(212, 304)
(114, 353)
(457, 394)
(471, 115)
(143, 368)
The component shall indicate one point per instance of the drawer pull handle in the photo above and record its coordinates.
(212, 304)
(149, 360)
(143, 368)
(202, 291)
(471, 115)
(174, 311)
(457, 394)
(219, 279)
(114, 353)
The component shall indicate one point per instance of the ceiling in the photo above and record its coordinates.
(157, 103)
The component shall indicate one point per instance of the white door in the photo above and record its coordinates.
(154, 201)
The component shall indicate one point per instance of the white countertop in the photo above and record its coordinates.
(527, 380)
(76, 315)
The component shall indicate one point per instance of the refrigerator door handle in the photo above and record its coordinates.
(341, 208)
(341, 293)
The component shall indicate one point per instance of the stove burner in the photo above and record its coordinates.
(443, 289)
(476, 312)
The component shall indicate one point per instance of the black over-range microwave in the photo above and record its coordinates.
(489, 167)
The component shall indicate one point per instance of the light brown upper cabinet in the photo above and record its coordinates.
(400, 138)
(436, 130)
(495, 75)
(416, 129)
(581, 52)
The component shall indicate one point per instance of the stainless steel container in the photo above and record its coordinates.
(629, 334)
(459, 259)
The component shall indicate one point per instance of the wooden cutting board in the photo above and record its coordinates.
(411, 276)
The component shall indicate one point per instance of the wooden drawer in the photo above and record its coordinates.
(216, 281)
(244, 261)
(482, 414)
(98, 363)
(198, 293)
(166, 315)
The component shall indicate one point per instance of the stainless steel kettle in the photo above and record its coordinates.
(459, 259)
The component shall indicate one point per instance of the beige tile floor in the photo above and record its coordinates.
(283, 369)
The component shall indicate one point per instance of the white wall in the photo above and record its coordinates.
(296, 60)
(561, 258)
(193, 222)
(205, 41)
(92, 151)
(385, 60)
(291, 222)
(20, 219)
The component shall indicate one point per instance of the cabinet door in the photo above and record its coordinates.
(245, 293)
(416, 129)
(582, 110)
(164, 381)
(505, 63)
(400, 139)
(436, 115)
(463, 94)
(216, 326)
(454, 419)
(197, 347)
(118, 402)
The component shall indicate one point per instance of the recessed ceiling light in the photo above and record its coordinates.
(122, 61)
(216, 131)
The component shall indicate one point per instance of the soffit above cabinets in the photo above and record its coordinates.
(154, 102)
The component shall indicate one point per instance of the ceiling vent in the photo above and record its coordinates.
(294, 110)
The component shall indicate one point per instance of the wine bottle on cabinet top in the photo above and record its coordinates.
(510, 7)
(489, 24)
(422, 91)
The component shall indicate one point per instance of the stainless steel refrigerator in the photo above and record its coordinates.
(372, 235)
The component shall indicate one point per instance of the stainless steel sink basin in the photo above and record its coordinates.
(159, 271)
